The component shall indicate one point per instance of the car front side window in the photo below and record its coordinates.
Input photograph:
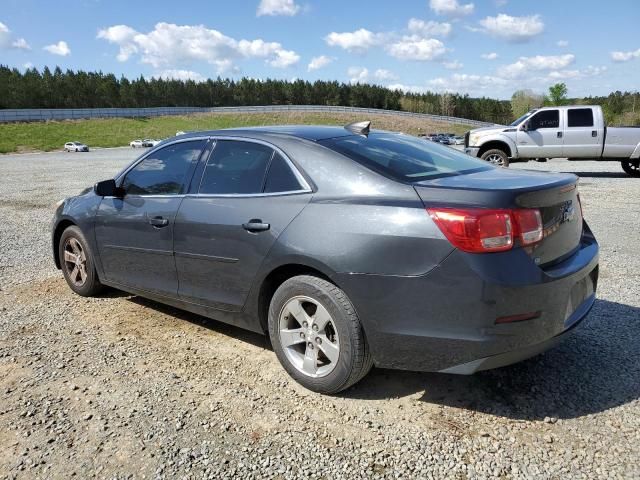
(545, 119)
(165, 171)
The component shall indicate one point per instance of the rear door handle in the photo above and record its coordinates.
(594, 133)
(256, 225)
(559, 134)
(158, 222)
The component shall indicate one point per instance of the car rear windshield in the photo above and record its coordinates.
(405, 158)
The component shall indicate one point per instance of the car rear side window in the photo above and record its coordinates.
(545, 119)
(580, 117)
(236, 167)
(405, 158)
(280, 177)
(165, 171)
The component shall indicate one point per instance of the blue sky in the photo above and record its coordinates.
(481, 47)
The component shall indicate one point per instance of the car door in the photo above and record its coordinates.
(248, 194)
(541, 136)
(581, 137)
(134, 233)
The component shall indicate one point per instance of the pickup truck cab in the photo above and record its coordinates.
(573, 132)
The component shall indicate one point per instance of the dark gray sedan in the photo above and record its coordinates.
(349, 248)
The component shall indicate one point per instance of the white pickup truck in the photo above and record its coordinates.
(576, 132)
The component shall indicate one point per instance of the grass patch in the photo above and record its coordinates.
(116, 132)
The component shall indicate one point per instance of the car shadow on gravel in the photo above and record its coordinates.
(243, 335)
(601, 174)
(595, 369)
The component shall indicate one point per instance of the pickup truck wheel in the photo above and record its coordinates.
(497, 157)
(632, 167)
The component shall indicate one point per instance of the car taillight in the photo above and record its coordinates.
(478, 230)
(529, 224)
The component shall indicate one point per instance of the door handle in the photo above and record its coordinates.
(256, 225)
(594, 133)
(559, 134)
(158, 222)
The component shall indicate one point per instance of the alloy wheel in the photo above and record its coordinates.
(496, 160)
(75, 262)
(308, 336)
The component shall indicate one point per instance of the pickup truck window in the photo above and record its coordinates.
(580, 117)
(545, 119)
(518, 121)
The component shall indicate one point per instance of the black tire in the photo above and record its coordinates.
(631, 167)
(502, 161)
(89, 286)
(354, 359)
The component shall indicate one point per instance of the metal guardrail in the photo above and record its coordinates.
(43, 114)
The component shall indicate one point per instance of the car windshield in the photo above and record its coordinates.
(522, 118)
(403, 157)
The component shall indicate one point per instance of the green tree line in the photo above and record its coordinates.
(79, 89)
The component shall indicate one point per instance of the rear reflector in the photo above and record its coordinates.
(518, 318)
(478, 230)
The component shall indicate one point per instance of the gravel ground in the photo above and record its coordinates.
(121, 387)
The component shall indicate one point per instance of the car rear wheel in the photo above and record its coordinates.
(497, 157)
(317, 336)
(631, 167)
(77, 263)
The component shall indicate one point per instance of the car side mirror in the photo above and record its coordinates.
(108, 188)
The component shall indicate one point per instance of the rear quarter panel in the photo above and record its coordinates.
(622, 142)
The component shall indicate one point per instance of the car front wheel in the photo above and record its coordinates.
(77, 263)
(317, 336)
(497, 157)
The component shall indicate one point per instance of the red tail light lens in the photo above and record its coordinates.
(478, 230)
(529, 225)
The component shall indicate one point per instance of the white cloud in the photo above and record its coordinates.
(384, 75)
(454, 65)
(319, 62)
(562, 43)
(27, 65)
(513, 29)
(526, 65)
(500, 3)
(358, 41)
(429, 29)
(277, 7)
(462, 82)
(358, 74)
(284, 59)
(489, 56)
(181, 75)
(169, 45)
(21, 44)
(625, 56)
(61, 48)
(408, 88)
(590, 71)
(451, 8)
(7, 42)
(414, 47)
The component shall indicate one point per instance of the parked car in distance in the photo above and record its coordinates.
(458, 140)
(573, 132)
(136, 144)
(149, 142)
(348, 247)
(75, 147)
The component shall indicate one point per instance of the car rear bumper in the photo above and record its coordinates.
(445, 320)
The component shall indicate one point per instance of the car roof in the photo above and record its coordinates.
(307, 132)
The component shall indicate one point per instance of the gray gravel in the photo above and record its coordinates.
(120, 387)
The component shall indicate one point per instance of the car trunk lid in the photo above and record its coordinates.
(555, 195)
